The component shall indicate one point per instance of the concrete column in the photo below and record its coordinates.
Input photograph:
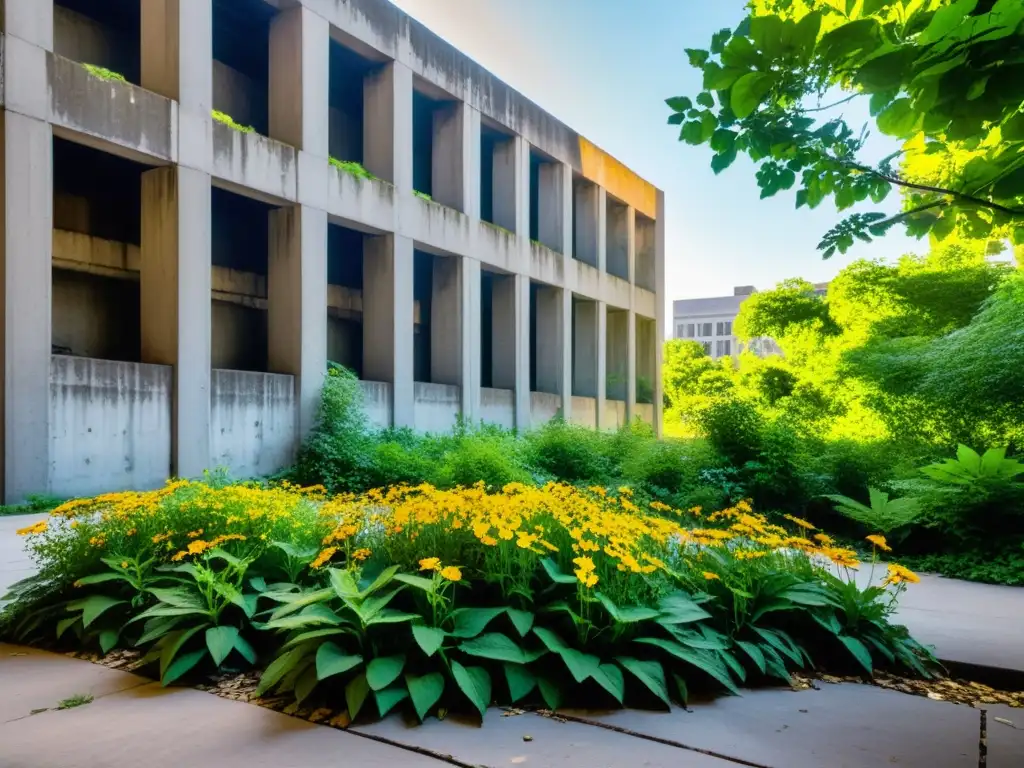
(617, 346)
(388, 320)
(602, 362)
(455, 175)
(586, 206)
(522, 351)
(387, 125)
(631, 243)
(602, 229)
(446, 321)
(551, 328)
(471, 322)
(555, 222)
(177, 62)
(585, 348)
(30, 21)
(631, 366)
(522, 152)
(507, 186)
(299, 79)
(297, 304)
(565, 385)
(174, 292)
(659, 320)
(503, 332)
(27, 279)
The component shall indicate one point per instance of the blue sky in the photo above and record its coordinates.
(604, 67)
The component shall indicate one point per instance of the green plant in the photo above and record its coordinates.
(567, 452)
(883, 514)
(226, 119)
(34, 504)
(104, 74)
(968, 468)
(644, 390)
(423, 195)
(351, 167)
(77, 700)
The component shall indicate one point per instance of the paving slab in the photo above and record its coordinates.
(32, 679)
(837, 726)
(499, 741)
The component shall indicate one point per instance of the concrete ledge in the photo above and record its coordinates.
(436, 227)
(360, 203)
(497, 247)
(544, 406)
(644, 302)
(437, 406)
(617, 292)
(584, 411)
(110, 425)
(546, 265)
(497, 406)
(254, 162)
(377, 401)
(253, 427)
(588, 280)
(120, 113)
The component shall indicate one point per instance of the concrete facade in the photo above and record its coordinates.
(140, 275)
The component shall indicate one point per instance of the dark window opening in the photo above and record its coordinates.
(241, 61)
(487, 329)
(344, 297)
(535, 163)
(617, 223)
(103, 33)
(534, 290)
(422, 293)
(348, 71)
(424, 110)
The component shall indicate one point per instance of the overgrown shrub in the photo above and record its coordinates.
(568, 452)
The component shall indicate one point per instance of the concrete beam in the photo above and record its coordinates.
(297, 304)
(388, 320)
(30, 21)
(299, 80)
(175, 284)
(387, 125)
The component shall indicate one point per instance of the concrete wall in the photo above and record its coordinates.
(253, 428)
(614, 414)
(584, 411)
(377, 402)
(437, 406)
(237, 95)
(544, 406)
(95, 316)
(646, 412)
(110, 426)
(497, 406)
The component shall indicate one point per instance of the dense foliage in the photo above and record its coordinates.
(944, 76)
(458, 597)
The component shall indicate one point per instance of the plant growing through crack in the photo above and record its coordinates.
(226, 119)
(104, 74)
(352, 167)
(78, 700)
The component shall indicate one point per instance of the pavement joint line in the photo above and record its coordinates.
(142, 681)
(444, 758)
(656, 739)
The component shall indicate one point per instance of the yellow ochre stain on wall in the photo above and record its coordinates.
(603, 169)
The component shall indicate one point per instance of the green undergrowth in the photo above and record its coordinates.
(104, 74)
(226, 119)
(423, 196)
(352, 168)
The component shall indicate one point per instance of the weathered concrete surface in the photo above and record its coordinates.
(253, 425)
(15, 564)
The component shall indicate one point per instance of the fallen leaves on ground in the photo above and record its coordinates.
(944, 689)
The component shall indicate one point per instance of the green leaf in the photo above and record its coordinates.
(679, 103)
(390, 616)
(945, 20)
(609, 677)
(754, 653)
(521, 620)
(429, 639)
(520, 681)
(314, 634)
(679, 608)
(629, 614)
(718, 78)
(723, 160)
(779, 644)
(581, 665)
(64, 624)
(245, 649)
(494, 645)
(748, 92)
(179, 597)
(470, 622)
(740, 52)
(733, 663)
(309, 616)
(332, 660)
(220, 641)
(383, 671)
(766, 32)
(390, 697)
(173, 643)
(550, 639)
(806, 35)
(1013, 129)
(684, 693)
(697, 57)
(355, 695)
(650, 673)
(676, 118)
(692, 133)
(550, 692)
(108, 639)
(278, 668)
(99, 578)
(382, 580)
(93, 607)
(180, 666)
(156, 628)
(723, 140)
(305, 683)
(705, 99)
(475, 683)
(703, 660)
(898, 119)
(859, 650)
(427, 585)
(425, 691)
(708, 124)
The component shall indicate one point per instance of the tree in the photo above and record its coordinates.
(774, 313)
(945, 76)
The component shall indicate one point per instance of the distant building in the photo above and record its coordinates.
(710, 321)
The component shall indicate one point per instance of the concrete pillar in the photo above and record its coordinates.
(630, 365)
(522, 152)
(602, 362)
(387, 125)
(585, 348)
(30, 21)
(455, 164)
(503, 332)
(471, 344)
(565, 386)
(550, 340)
(631, 243)
(507, 186)
(554, 227)
(177, 62)
(299, 80)
(388, 320)
(617, 346)
(522, 349)
(27, 279)
(659, 320)
(586, 207)
(602, 229)
(446, 321)
(174, 293)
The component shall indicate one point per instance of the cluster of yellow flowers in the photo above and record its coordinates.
(447, 572)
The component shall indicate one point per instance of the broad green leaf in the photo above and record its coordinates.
(723, 160)
(355, 695)
(375, 604)
(157, 628)
(390, 616)
(313, 634)
(108, 639)
(382, 580)
(650, 673)
(99, 578)
(945, 19)
(64, 624)
(181, 665)
(429, 639)
(220, 641)
(779, 644)
(389, 698)
(859, 650)
(521, 620)
(475, 683)
(332, 660)
(550, 692)
(470, 622)
(277, 669)
(754, 653)
(494, 645)
(717, 78)
(305, 683)
(93, 606)
(748, 92)
(732, 663)
(179, 597)
(427, 585)
(705, 99)
(520, 681)
(383, 671)
(343, 583)
(556, 574)
(806, 34)
(767, 32)
(550, 639)
(609, 677)
(723, 140)
(296, 601)
(680, 608)
(703, 660)
(310, 616)
(697, 57)
(898, 119)
(425, 691)
(581, 665)
(692, 133)
(629, 614)
(173, 643)
(245, 649)
(740, 52)
(679, 103)
(684, 692)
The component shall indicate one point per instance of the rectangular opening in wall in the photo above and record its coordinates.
(646, 351)
(536, 160)
(645, 252)
(584, 220)
(617, 222)
(240, 247)
(584, 347)
(616, 353)
(422, 295)
(487, 328)
(348, 71)
(423, 108)
(497, 176)
(103, 34)
(345, 297)
(241, 63)
(97, 211)
(546, 338)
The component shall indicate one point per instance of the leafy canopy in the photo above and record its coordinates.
(945, 76)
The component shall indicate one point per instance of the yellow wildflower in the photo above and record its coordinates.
(451, 573)
(430, 564)
(34, 529)
(900, 575)
(879, 541)
(711, 576)
(506, 534)
(361, 554)
(749, 554)
(844, 557)
(324, 556)
(825, 539)
(801, 522)
(488, 541)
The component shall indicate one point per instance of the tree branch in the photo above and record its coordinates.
(830, 106)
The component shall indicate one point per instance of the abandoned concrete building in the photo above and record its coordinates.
(205, 201)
